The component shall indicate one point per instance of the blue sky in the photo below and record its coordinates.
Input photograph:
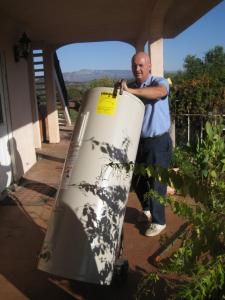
(203, 35)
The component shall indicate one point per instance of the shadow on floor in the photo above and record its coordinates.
(131, 218)
(39, 187)
(21, 240)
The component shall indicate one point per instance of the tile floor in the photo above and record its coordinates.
(24, 217)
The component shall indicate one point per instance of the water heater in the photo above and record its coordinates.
(86, 222)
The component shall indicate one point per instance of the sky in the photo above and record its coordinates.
(203, 35)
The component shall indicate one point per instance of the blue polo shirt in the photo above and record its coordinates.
(157, 114)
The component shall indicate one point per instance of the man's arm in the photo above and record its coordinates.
(150, 93)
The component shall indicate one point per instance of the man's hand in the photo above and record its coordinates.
(121, 85)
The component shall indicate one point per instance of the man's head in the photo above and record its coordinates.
(141, 66)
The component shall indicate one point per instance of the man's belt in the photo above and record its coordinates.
(154, 137)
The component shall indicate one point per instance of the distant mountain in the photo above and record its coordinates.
(88, 75)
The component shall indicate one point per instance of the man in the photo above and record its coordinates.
(155, 146)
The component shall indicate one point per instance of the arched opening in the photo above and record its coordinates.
(86, 65)
(95, 56)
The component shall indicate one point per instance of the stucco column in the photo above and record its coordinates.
(156, 55)
(52, 113)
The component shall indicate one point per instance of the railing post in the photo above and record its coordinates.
(173, 132)
(188, 143)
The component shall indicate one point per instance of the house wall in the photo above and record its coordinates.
(17, 79)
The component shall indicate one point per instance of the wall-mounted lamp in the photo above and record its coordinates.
(22, 48)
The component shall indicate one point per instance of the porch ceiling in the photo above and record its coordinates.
(60, 22)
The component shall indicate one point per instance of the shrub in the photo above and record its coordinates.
(201, 258)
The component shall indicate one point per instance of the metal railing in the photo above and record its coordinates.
(189, 128)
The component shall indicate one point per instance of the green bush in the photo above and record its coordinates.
(182, 159)
(200, 260)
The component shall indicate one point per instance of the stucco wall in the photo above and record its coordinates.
(22, 135)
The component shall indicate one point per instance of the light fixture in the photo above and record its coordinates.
(22, 48)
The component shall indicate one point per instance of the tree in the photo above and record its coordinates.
(102, 82)
(74, 92)
(200, 88)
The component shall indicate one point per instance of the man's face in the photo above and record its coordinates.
(141, 67)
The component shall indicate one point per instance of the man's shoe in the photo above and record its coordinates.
(154, 229)
(144, 216)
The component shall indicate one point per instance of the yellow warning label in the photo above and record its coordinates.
(107, 103)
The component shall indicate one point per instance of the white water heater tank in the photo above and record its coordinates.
(85, 226)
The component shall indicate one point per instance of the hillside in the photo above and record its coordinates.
(88, 75)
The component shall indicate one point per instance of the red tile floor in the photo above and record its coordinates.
(24, 216)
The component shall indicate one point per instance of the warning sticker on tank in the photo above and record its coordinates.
(107, 103)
